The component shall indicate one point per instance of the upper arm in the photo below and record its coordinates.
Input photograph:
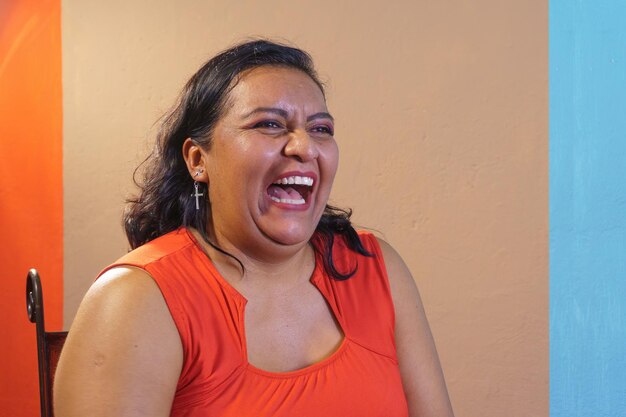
(420, 369)
(123, 354)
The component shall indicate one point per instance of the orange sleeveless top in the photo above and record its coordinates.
(361, 378)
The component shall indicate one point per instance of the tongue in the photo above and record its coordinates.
(283, 193)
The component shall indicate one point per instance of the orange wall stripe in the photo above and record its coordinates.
(31, 188)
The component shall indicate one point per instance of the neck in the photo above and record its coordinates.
(293, 265)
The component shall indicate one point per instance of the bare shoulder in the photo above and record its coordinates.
(421, 372)
(123, 351)
(403, 287)
(123, 297)
(121, 281)
(406, 298)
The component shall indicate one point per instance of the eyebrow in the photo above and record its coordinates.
(285, 114)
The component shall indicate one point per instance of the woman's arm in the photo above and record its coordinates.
(421, 372)
(123, 355)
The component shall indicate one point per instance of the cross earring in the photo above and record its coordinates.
(197, 194)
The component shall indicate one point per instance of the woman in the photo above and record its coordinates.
(246, 294)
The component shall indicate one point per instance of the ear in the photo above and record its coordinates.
(195, 160)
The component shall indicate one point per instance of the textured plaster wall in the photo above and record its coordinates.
(442, 125)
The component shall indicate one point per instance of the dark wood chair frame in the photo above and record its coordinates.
(49, 344)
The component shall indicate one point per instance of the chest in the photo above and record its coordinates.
(354, 382)
(286, 332)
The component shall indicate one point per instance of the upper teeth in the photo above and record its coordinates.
(308, 181)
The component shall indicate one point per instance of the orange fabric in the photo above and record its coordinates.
(31, 189)
(361, 378)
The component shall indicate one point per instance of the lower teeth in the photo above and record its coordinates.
(287, 200)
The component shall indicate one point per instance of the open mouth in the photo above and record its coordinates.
(291, 189)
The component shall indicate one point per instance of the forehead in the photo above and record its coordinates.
(276, 86)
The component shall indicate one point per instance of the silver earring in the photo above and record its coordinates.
(197, 194)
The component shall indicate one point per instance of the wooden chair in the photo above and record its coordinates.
(49, 344)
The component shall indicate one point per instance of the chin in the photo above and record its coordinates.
(290, 237)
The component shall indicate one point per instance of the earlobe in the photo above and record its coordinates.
(197, 174)
(195, 160)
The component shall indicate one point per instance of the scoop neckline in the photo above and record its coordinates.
(317, 274)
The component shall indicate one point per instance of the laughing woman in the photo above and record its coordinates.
(246, 294)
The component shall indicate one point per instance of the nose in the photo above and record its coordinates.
(301, 146)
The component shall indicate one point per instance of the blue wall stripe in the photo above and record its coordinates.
(587, 208)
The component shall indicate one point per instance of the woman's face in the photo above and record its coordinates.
(272, 160)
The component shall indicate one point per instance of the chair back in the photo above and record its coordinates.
(49, 344)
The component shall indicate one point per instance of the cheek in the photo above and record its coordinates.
(330, 155)
(236, 170)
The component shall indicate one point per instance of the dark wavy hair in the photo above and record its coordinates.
(165, 200)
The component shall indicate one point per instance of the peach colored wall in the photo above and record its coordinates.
(442, 125)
